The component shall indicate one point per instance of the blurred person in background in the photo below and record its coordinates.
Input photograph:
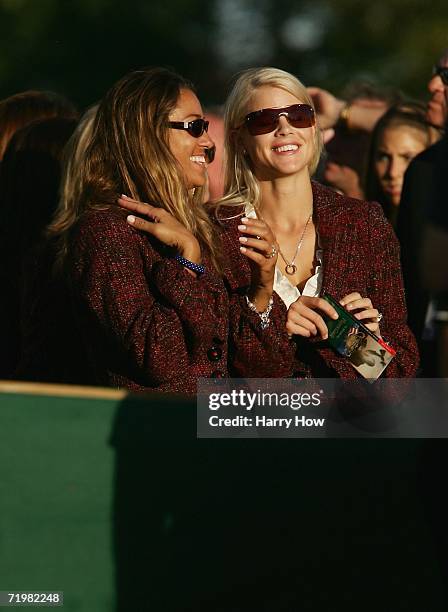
(51, 347)
(360, 114)
(16, 113)
(348, 151)
(29, 189)
(434, 255)
(402, 133)
(419, 190)
(23, 108)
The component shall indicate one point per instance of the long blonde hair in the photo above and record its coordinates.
(72, 184)
(240, 185)
(126, 150)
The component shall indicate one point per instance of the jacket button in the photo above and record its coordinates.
(217, 374)
(214, 353)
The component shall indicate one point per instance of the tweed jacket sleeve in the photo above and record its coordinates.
(256, 352)
(253, 351)
(153, 320)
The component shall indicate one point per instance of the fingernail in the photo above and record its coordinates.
(325, 336)
(335, 316)
(243, 249)
(349, 307)
(125, 197)
(244, 219)
(131, 218)
(242, 227)
(242, 239)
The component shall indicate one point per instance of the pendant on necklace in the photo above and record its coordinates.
(290, 269)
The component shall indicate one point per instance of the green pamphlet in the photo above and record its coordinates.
(369, 354)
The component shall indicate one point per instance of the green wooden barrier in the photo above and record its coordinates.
(56, 479)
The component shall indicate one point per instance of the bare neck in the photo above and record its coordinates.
(286, 203)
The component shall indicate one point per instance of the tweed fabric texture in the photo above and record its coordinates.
(360, 253)
(147, 323)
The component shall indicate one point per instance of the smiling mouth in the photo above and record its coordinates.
(286, 148)
(198, 159)
(394, 190)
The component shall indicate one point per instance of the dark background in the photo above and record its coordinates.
(80, 47)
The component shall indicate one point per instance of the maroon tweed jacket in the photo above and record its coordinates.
(360, 253)
(146, 322)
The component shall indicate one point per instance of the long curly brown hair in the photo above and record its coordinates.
(128, 153)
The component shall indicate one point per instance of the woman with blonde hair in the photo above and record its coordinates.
(151, 305)
(326, 243)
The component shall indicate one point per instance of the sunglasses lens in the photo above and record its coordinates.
(261, 122)
(442, 72)
(301, 116)
(266, 120)
(198, 127)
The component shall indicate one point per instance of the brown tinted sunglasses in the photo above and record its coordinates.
(266, 120)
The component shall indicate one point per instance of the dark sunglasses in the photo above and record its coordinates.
(266, 120)
(195, 128)
(442, 72)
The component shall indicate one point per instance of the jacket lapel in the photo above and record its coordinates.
(326, 214)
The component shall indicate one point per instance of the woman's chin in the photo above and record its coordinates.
(199, 180)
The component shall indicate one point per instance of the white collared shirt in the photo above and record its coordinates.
(288, 292)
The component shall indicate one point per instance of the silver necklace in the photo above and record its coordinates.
(290, 267)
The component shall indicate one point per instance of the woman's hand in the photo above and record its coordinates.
(259, 245)
(163, 226)
(363, 310)
(345, 179)
(305, 320)
(328, 107)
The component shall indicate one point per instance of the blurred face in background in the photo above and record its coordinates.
(437, 112)
(397, 146)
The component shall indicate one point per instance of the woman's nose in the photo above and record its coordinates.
(283, 125)
(435, 83)
(206, 141)
(395, 168)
